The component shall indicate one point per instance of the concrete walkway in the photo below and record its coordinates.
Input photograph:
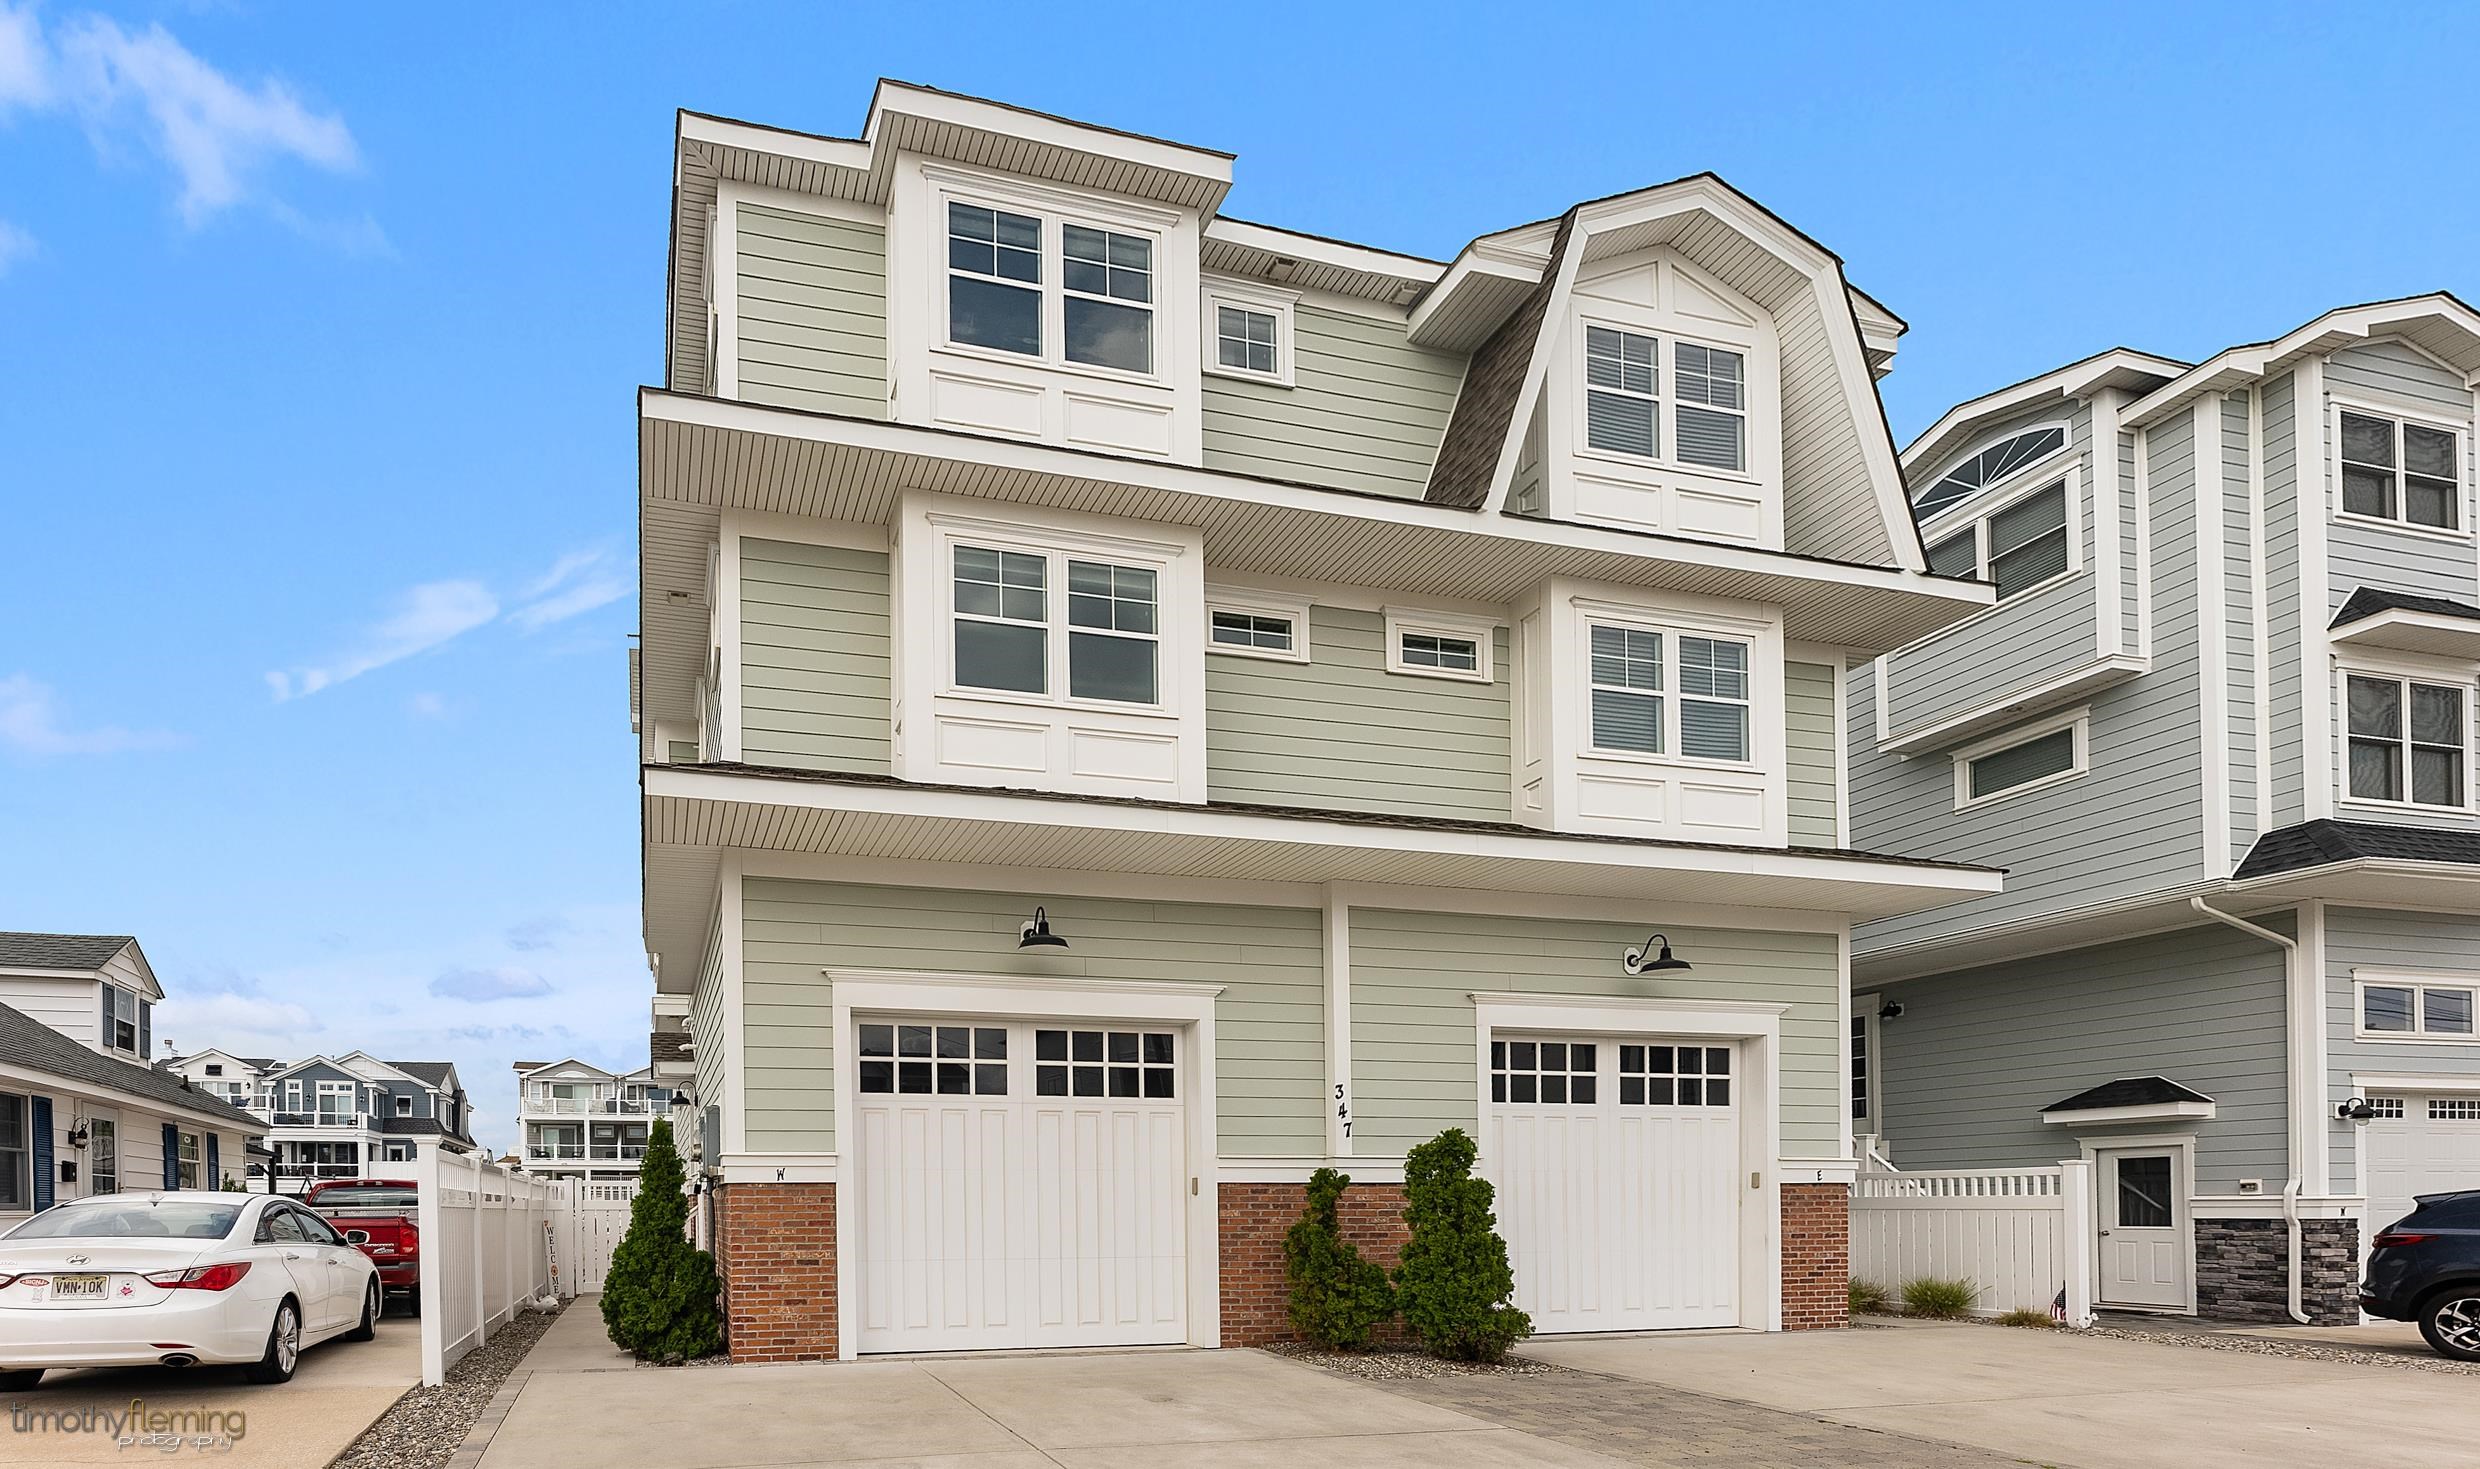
(2055, 1398)
(339, 1390)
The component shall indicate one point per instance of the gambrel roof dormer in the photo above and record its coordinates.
(1778, 441)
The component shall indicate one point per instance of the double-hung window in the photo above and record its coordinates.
(2019, 547)
(122, 1027)
(2407, 472)
(16, 1179)
(187, 1176)
(2417, 1007)
(1623, 399)
(1002, 283)
(2407, 740)
(1020, 614)
(1705, 717)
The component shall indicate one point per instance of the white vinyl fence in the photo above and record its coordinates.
(2022, 1235)
(487, 1247)
(598, 1217)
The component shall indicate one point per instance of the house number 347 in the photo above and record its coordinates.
(1343, 1109)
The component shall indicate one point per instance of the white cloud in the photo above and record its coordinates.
(215, 133)
(489, 984)
(430, 614)
(15, 245)
(577, 583)
(427, 706)
(30, 719)
(247, 1024)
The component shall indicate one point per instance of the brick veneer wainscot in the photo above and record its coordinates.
(775, 1244)
(1816, 1256)
(1255, 1217)
(2243, 1270)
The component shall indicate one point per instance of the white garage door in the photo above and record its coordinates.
(2417, 1145)
(1019, 1184)
(1617, 1161)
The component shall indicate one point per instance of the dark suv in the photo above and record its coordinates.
(2425, 1267)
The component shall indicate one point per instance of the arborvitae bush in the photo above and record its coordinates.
(1337, 1298)
(659, 1299)
(1455, 1287)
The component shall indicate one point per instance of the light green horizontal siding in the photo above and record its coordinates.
(1365, 412)
(812, 312)
(1269, 1060)
(712, 1055)
(1808, 704)
(1413, 1035)
(1341, 732)
(814, 657)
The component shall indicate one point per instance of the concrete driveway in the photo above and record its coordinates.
(2056, 1398)
(337, 1391)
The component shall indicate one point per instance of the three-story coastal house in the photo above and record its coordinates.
(1137, 705)
(2218, 731)
(346, 1116)
(580, 1121)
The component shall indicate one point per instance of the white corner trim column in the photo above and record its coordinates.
(2213, 633)
(1185, 1004)
(2260, 663)
(2312, 1122)
(723, 283)
(1338, 1102)
(2311, 494)
(1758, 1029)
(725, 598)
(2108, 548)
(729, 908)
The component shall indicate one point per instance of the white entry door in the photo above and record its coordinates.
(2417, 1145)
(2142, 1221)
(1617, 1164)
(1020, 1184)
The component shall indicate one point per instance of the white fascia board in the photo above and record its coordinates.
(1043, 130)
(1005, 809)
(845, 153)
(2019, 705)
(2333, 329)
(2154, 1112)
(2405, 630)
(1475, 262)
(661, 405)
(2075, 380)
(1363, 259)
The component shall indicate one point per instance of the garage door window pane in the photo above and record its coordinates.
(1552, 1073)
(1680, 1076)
(878, 1040)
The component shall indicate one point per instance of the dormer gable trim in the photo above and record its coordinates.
(2438, 324)
(1938, 447)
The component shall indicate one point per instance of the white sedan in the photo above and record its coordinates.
(176, 1278)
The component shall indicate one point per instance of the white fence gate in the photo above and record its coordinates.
(598, 1217)
(2021, 1235)
(487, 1240)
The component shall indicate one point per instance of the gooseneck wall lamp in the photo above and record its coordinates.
(1658, 947)
(1036, 933)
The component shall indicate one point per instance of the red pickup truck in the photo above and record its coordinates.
(377, 1216)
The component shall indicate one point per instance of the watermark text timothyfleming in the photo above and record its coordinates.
(138, 1426)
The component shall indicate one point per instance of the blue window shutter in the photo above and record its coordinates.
(41, 1121)
(172, 1156)
(215, 1167)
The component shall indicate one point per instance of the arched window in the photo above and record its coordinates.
(1989, 466)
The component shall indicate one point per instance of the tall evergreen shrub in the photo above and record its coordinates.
(1455, 1287)
(660, 1297)
(1337, 1298)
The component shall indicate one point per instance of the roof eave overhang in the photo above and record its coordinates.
(2337, 329)
(894, 822)
(2121, 367)
(2381, 881)
(2405, 630)
(2148, 1112)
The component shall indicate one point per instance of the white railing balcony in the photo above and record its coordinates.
(555, 1151)
(618, 1152)
(319, 1119)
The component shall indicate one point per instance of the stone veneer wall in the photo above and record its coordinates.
(775, 1244)
(1816, 1256)
(1255, 1217)
(2243, 1270)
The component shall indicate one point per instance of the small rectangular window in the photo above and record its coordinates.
(2406, 472)
(2406, 741)
(2405, 1007)
(1958, 555)
(2019, 765)
(1428, 650)
(1111, 632)
(1244, 340)
(1251, 630)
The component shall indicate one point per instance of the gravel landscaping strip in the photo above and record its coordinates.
(1398, 1364)
(426, 1426)
(2267, 1346)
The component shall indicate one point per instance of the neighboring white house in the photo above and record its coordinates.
(80, 1112)
(580, 1121)
(346, 1116)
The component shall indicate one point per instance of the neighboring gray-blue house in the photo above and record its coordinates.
(348, 1116)
(2219, 731)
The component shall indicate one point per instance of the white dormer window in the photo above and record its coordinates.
(1708, 419)
(1999, 462)
(994, 282)
(1098, 305)
(1633, 714)
(1010, 631)
(1622, 412)
(1713, 406)
(1107, 310)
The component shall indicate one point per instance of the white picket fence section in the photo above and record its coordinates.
(598, 1217)
(2019, 1234)
(487, 1247)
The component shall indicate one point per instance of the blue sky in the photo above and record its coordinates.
(321, 327)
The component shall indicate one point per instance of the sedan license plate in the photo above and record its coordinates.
(66, 1286)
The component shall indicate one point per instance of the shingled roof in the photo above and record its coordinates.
(2128, 1091)
(2325, 843)
(30, 1044)
(2367, 602)
(61, 950)
(1493, 383)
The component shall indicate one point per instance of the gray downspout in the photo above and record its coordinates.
(2290, 1186)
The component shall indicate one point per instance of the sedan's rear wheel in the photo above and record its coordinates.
(2451, 1322)
(370, 1315)
(283, 1347)
(20, 1379)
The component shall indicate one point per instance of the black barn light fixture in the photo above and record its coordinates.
(1036, 933)
(1634, 961)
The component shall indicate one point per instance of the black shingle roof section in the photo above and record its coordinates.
(37, 1047)
(434, 1073)
(61, 950)
(2323, 843)
(2367, 602)
(2128, 1091)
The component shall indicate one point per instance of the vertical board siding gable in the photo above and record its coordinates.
(815, 657)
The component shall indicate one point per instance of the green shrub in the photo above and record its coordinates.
(1337, 1298)
(659, 1298)
(1866, 1296)
(2027, 1316)
(1939, 1300)
(1455, 1285)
